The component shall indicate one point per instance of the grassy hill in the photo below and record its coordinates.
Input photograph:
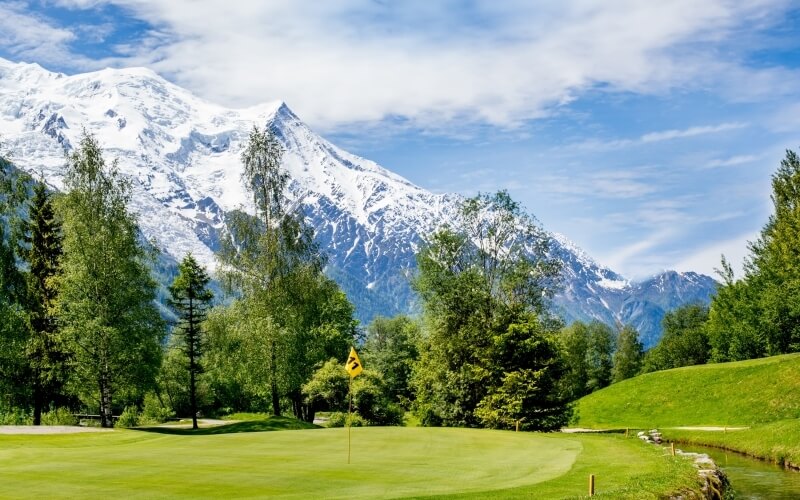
(743, 393)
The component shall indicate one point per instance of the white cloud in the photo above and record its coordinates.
(31, 37)
(668, 135)
(660, 136)
(732, 161)
(705, 260)
(351, 61)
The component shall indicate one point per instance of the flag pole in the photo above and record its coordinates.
(349, 418)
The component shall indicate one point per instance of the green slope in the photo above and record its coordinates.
(386, 462)
(725, 394)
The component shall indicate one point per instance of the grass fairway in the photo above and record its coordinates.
(386, 462)
(724, 394)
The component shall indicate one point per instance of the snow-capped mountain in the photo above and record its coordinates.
(182, 154)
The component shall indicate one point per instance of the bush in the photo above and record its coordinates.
(59, 416)
(129, 417)
(15, 416)
(339, 419)
(153, 411)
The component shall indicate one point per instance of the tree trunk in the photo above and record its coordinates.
(276, 398)
(192, 397)
(37, 404)
(106, 419)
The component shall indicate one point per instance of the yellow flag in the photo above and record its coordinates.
(353, 365)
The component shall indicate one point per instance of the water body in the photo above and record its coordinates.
(752, 478)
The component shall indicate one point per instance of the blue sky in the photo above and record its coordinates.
(644, 131)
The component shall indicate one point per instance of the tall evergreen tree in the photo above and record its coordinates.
(191, 299)
(106, 294)
(46, 354)
(14, 321)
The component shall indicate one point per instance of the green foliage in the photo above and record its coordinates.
(475, 281)
(191, 299)
(685, 340)
(154, 410)
(629, 354)
(328, 390)
(59, 416)
(106, 295)
(15, 376)
(290, 316)
(372, 402)
(588, 353)
(129, 417)
(342, 419)
(47, 355)
(758, 315)
(528, 367)
(15, 416)
(738, 393)
(391, 350)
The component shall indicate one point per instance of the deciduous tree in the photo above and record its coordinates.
(106, 295)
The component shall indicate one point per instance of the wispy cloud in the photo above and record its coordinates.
(611, 184)
(668, 135)
(659, 136)
(732, 161)
(500, 63)
(707, 258)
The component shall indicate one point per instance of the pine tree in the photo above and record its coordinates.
(14, 324)
(191, 299)
(45, 351)
(106, 294)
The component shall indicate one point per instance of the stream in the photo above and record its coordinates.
(752, 478)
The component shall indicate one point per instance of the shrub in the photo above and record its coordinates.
(153, 411)
(15, 416)
(59, 416)
(129, 417)
(339, 419)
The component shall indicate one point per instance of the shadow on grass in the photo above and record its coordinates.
(267, 424)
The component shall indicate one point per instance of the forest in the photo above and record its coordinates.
(82, 331)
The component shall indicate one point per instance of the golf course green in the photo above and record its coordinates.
(386, 462)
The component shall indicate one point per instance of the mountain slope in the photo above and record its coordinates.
(182, 154)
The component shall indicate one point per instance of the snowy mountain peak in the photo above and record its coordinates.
(182, 154)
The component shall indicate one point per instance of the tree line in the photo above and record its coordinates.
(80, 328)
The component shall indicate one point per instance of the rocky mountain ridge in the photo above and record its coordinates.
(182, 155)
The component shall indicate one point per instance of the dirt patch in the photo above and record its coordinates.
(48, 429)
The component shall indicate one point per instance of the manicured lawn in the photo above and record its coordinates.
(725, 394)
(386, 462)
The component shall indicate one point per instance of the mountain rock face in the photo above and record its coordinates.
(182, 156)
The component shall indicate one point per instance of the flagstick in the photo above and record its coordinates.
(349, 419)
